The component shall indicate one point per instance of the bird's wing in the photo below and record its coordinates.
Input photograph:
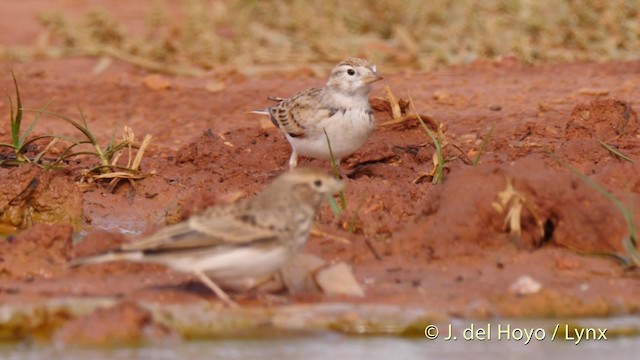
(292, 114)
(206, 230)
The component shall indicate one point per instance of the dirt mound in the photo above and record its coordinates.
(594, 126)
(602, 120)
(460, 218)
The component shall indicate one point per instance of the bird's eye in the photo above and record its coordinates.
(317, 183)
(351, 72)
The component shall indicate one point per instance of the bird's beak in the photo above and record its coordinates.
(373, 77)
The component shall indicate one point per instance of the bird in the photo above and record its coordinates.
(339, 111)
(253, 237)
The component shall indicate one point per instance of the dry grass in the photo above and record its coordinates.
(261, 35)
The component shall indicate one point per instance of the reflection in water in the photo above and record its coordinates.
(126, 227)
(335, 346)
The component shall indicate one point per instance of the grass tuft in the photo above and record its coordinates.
(19, 140)
(108, 166)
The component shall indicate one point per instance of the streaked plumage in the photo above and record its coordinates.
(341, 108)
(249, 238)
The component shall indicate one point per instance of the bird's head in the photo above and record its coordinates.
(353, 77)
(307, 185)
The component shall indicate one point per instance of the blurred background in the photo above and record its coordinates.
(190, 36)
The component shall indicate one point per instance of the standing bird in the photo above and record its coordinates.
(249, 238)
(341, 108)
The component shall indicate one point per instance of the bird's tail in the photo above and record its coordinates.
(260, 112)
(266, 110)
(106, 257)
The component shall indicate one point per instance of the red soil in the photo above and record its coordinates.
(442, 247)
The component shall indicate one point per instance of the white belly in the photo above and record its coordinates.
(238, 263)
(347, 133)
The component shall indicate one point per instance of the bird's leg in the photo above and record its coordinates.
(216, 289)
(293, 160)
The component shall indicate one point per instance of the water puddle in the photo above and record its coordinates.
(348, 331)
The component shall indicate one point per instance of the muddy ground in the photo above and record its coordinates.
(440, 247)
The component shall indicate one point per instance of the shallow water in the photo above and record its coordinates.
(342, 347)
(338, 346)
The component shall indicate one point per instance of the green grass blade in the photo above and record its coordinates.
(483, 144)
(632, 250)
(336, 173)
(334, 165)
(343, 201)
(111, 150)
(70, 139)
(66, 154)
(16, 122)
(75, 124)
(34, 139)
(12, 124)
(33, 123)
(112, 141)
(615, 152)
(334, 206)
(352, 222)
(437, 177)
(84, 120)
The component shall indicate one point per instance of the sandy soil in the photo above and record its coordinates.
(439, 247)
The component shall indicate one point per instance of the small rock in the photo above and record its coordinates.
(338, 279)
(156, 82)
(525, 285)
(584, 287)
(442, 97)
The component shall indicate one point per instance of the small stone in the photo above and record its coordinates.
(584, 287)
(156, 82)
(525, 285)
(442, 97)
(338, 279)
